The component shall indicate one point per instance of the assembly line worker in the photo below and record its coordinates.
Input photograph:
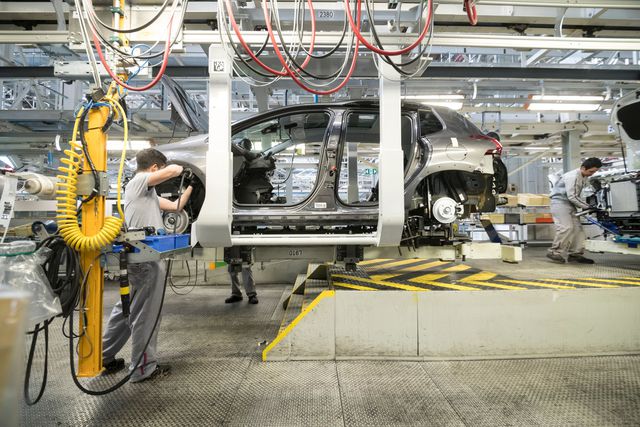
(142, 208)
(247, 275)
(565, 202)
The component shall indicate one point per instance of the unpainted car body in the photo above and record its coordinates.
(314, 168)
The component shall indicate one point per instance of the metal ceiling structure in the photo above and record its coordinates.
(518, 49)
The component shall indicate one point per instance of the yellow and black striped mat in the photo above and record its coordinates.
(433, 275)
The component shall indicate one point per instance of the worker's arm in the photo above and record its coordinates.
(160, 176)
(573, 193)
(173, 206)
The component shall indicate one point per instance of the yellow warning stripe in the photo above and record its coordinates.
(380, 282)
(459, 267)
(624, 282)
(352, 286)
(631, 278)
(426, 280)
(397, 263)
(374, 261)
(424, 266)
(494, 285)
(429, 276)
(483, 276)
(383, 276)
(574, 282)
(289, 328)
(542, 285)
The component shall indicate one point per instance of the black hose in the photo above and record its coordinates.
(124, 380)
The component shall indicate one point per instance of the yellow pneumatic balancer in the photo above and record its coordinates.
(67, 192)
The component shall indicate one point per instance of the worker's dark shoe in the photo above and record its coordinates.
(556, 258)
(160, 372)
(116, 365)
(253, 299)
(581, 259)
(232, 299)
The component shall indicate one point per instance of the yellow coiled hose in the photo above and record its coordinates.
(66, 190)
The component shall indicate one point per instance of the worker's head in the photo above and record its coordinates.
(150, 160)
(590, 166)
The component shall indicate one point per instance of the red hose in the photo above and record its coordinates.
(291, 73)
(379, 51)
(163, 67)
(247, 49)
(472, 13)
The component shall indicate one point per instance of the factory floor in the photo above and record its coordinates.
(218, 377)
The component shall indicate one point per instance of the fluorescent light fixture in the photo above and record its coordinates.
(558, 103)
(452, 101)
(135, 145)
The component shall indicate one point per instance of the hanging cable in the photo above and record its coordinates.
(472, 13)
(292, 74)
(363, 40)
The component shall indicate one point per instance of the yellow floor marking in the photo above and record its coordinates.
(430, 276)
(289, 328)
(382, 276)
(573, 282)
(631, 278)
(624, 282)
(380, 282)
(494, 285)
(542, 285)
(425, 281)
(396, 263)
(482, 276)
(425, 266)
(352, 286)
(374, 261)
(459, 267)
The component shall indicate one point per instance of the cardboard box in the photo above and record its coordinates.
(525, 199)
(536, 218)
(495, 218)
(512, 200)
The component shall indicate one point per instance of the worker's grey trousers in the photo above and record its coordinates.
(570, 236)
(247, 282)
(146, 282)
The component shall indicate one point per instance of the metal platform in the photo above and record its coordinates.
(386, 309)
(219, 380)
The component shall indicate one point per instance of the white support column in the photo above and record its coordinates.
(570, 150)
(214, 228)
(391, 173)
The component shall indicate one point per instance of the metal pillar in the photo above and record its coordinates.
(391, 188)
(93, 213)
(570, 150)
(214, 229)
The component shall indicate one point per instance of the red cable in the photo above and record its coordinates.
(163, 67)
(292, 74)
(382, 51)
(244, 44)
(247, 49)
(472, 13)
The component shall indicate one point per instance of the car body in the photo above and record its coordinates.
(314, 168)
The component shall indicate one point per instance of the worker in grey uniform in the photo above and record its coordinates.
(247, 282)
(142, 208)
(568, 244)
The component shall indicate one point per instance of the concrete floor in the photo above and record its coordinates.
(219, 379)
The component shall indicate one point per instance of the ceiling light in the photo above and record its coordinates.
(7, 161)
(453, 101)
(137, 145)
(558, 103)
(434, 97)
(457, 106)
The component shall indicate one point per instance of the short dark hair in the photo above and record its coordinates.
(592, 162)
(149, 157)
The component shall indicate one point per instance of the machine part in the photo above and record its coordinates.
(77, 70)
(176, 222)
(7, 203)
(445, 210)
(124, 284)
(43, 230)
(350, 255)
(86, 184)
(39, 185)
